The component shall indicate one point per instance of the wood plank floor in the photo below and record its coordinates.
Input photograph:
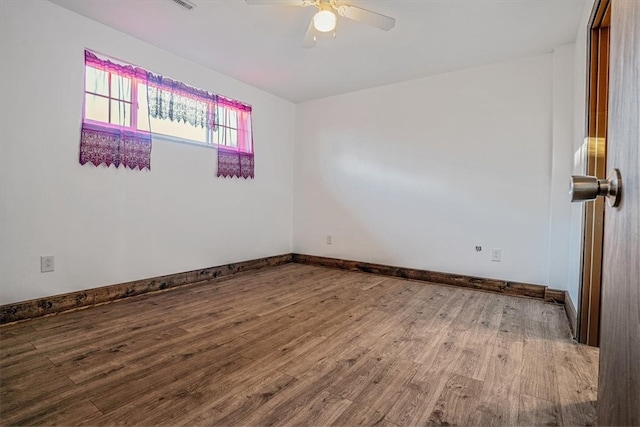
(300, 345)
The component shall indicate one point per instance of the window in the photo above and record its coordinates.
(115, 99)
(169, 125)
(226, 132)
(108, 97)
(125, 105)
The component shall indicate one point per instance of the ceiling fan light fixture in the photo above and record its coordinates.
(325, 21)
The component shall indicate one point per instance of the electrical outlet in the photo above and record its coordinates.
(46, 263)
(496, 255)
(329, 239)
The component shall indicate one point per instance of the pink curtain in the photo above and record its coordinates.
(111, 144)
(238, 162)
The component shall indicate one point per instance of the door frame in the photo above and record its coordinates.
(588, 330)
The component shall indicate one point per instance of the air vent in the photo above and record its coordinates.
(184, 3)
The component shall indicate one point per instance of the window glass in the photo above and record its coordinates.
(96, 81)
(120, 113)
(122, 101)
(120, 87)
(226, 133)
(165, 126)
(96, 108)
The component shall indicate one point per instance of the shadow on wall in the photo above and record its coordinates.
(399, 208)
(349, 233)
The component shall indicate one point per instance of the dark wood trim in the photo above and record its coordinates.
(88, 297)
(85, 298)
(600, 14)
(491, 285)
(588, 322)
(554, 295)
(570, 309)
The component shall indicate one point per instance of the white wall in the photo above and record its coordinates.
(416, 174)
(107, 225)
(579, 156)
(561, 166)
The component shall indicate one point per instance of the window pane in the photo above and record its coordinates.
(166, 127)
(179, 130)
(120, 113)
(227, 117)
(96, 81)
(226, 136)
(232, 141)
(143, 108)
(221, 115)
(96, 108)
(120, 87)
(233, 119)
(219, 135)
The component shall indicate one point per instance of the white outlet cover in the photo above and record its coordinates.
(47, 263)
(496, 255)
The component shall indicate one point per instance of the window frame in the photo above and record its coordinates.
(133, 95)
(211, 140)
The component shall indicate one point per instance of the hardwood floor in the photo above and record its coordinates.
(300, 345)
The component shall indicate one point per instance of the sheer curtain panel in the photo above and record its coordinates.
(109, 134)
(235, 158)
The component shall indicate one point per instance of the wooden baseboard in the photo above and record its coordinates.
(572, 314)
(554, 295)
(88, 297)
(58, 303)
(491, 285)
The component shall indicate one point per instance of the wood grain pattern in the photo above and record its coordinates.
(106, 294)
(479, 283)
(89, 297)
(576, 373)
(298, 345)
(619, 387)
(460, 394)
(553, 295)
(499, 400)
(538, 412)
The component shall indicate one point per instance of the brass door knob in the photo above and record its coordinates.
(584, 188)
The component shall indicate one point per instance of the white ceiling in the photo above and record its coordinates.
(260, 45)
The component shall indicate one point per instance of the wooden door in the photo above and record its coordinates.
(619, 378)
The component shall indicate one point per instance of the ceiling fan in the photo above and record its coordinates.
(325, 19)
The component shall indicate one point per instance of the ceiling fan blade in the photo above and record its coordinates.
(366, 16)
(310, 37)
(280, 2)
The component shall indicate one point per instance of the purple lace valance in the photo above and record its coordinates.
(233, 163)
(112, 146)
(233, 104)
(169, 105)
(180, 88)
(161, 82)
(130, 71)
